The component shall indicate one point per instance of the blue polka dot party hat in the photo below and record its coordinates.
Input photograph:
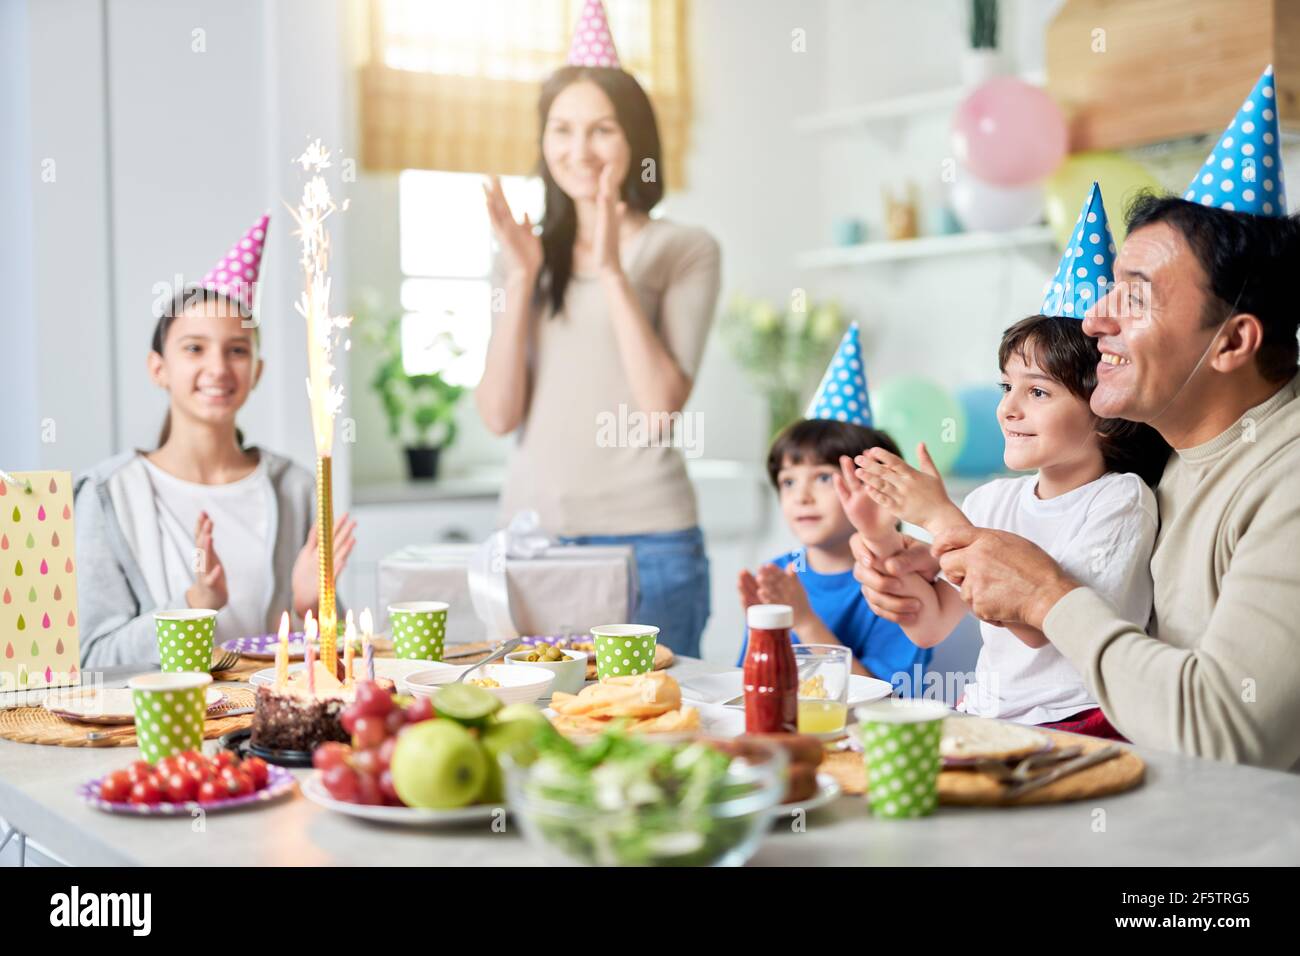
(1087, 265)
(1243, 173)
(842, 394)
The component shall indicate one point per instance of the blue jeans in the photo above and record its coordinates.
(673, 582)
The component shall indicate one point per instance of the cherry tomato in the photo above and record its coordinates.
(257, 771)
(179, 787)
(139, 770)
(223, 758)
(368, 732)
(234, 783)
(165, 766)
(208, 791)
(145, 791)
(116, 787)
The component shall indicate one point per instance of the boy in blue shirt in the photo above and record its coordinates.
(816, 579)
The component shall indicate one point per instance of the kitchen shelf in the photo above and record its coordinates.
(966, 243)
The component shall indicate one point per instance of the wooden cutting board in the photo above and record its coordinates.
(971, 788)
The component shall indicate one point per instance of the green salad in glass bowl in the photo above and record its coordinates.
(628, 800)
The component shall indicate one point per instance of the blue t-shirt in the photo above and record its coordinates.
(880, 645)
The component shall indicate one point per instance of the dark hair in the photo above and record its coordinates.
(560, 220)
(173, 309)
(1062, 350)
(821, 441)
(1250, 262)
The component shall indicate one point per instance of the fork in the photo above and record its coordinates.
(225, 661)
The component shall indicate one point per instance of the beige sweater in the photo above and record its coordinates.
(1217, 673)
(581, 461)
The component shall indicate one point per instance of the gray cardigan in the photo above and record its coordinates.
(115, 601)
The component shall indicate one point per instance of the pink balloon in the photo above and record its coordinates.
(1009, 133)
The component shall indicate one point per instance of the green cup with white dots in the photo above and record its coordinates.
(900, 739)
(169, 712)
(419, 629)
(623, 649)
(185, 639)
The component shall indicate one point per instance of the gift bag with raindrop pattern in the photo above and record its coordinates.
(38, 582)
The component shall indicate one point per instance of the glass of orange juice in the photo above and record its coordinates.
(823, 688)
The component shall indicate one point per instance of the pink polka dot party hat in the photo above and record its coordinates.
(593, 44)
(235, 273)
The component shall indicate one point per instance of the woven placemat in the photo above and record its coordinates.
(971, 788)
(36, 725)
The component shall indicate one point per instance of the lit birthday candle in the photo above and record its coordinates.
(309, 638)
(349, 634)
(368, 642)
(282, 653)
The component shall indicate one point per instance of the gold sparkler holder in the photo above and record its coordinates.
(325, 548)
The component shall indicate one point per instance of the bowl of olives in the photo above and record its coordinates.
(569, 667)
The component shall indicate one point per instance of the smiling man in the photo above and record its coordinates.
(1198, 339)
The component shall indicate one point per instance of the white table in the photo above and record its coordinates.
(1189, 811)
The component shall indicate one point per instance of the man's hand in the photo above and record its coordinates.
(1004, 578)
(897, 588)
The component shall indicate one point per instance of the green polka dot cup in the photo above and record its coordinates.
(623, 649)
(419, 629)
(169, 712)
(185, 639)
(901, 743)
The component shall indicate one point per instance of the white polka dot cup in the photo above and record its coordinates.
(169, 712)
(185, 639)
(900, 739)
(623, 649)
(419, 629)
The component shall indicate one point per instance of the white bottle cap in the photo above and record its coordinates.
(770, 617)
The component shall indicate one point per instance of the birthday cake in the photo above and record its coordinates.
(296, 716)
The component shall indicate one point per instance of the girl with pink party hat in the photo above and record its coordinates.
(201, 521)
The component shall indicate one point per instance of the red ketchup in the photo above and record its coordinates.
(770, 676)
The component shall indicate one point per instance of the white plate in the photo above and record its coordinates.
(828, 790)
(314, 790)
(100, 705)
(715, 721)
(719, 688)
(389, 667)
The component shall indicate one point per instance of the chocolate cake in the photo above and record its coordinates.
(290, 719)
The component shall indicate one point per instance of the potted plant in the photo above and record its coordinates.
(783, 353)
(420, 407)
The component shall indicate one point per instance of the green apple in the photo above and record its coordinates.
(438, 765)
(520, 712)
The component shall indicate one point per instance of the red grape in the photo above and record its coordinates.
(348, 719)
(419, 709)
(330, 755)
(368, 732)
(386, 789)
(395, 721)
(341, 782)
(368, 790)
(385, 752)
(373, 700)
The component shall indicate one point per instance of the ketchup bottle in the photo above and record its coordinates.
(770, 676)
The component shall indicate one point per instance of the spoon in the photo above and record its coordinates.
(499, 653)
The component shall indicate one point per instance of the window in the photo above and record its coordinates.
(446, 250)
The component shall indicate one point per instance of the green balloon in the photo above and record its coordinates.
(1119, 177)
(911, 410)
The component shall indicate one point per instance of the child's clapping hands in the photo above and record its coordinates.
(773, 585)
(917, 497)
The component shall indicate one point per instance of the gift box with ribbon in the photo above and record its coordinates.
(517, 582)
